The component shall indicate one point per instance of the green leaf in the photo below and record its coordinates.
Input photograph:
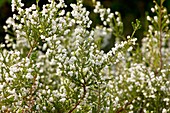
(136, 25)
(34, 55)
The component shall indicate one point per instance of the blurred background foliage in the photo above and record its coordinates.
(129, 9)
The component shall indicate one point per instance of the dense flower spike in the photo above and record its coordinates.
(52, 61)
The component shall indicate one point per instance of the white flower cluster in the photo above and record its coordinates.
(113, 20)
(52, 62)
(156, 42)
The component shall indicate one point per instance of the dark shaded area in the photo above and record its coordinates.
(4, 14)
(129, 9)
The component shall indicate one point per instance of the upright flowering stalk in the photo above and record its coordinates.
(156, 42)
(52, 62)
(144, 82)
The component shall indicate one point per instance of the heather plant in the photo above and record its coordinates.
(52, 61)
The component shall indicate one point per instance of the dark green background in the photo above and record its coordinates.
(129, 9)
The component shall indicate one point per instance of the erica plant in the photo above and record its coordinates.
(52, 61)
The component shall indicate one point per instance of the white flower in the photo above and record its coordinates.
(42, 37)
(37, 107)
(33, 6)
(44, 91)
(13, 5)
(70, 73)
(128, 37)
(62, 99)
(9, 79)
(62, 13)
(44, 107)
(131, 107)
(73, 59)
(130, 48)
(2, 45)
(166, 99)
(152, 9)
(155, 18)
(51, 99)
(156, 7)
(29, 76)
(117, 99)
(108, 10)
(167, 21)
(3, 108)
(116, 13)
(1, 87)
(148, 18)
(164, 110)
(150, 27)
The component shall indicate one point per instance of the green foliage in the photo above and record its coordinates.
(55, 62)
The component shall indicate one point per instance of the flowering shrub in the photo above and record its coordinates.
(52, 62)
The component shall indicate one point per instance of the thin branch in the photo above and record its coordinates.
(78, 103)
(123, 108)
(99, 101)
(31, 93)
(31, 49)
(160, 36)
